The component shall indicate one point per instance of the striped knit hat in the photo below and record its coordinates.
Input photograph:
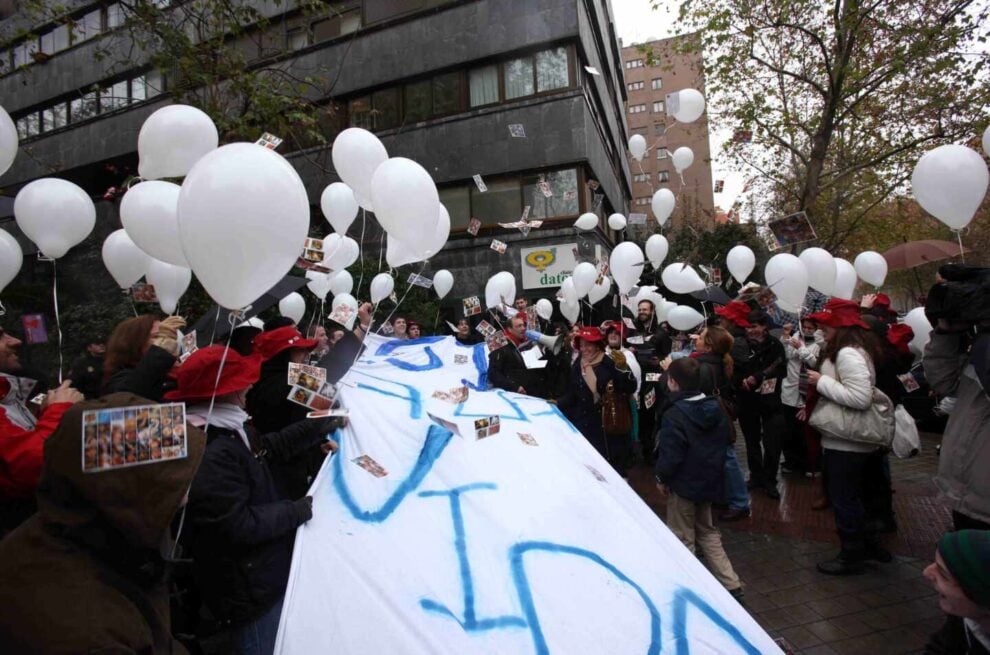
(966, 553)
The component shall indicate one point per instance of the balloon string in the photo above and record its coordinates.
(436, 321)
(364, 217)
(962, 257)
(58, 320)
(130, 299)
(408, 289)
(381, 251)
(216, 383)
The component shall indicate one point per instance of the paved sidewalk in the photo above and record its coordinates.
(891, 609)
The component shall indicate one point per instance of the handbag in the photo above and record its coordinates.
(616, 412)
(870, 426)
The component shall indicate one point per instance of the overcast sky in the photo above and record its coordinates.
(637, 22)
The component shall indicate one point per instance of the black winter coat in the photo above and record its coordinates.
(694, 433)
(768, 365)
(241, 527)
(149, 379)
(714, 381)
(507, 370)
(578, 404)
(87, 375)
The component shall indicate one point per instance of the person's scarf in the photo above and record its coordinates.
(224, 415)
(517, 341)
(588, 373)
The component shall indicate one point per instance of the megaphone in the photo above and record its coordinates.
(552, 343)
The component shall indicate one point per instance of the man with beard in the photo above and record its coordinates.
(650, 344)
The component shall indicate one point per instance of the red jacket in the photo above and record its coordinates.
(22, 451)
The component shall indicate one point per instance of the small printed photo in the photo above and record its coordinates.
(308, 381)
(313, 255)
(144, 292)
(300, 395)
(474, 226)
(498, 246)
(472, 306)
(517, 131)
(792, 229)
(496, 341)
(370, 465)
(527, 439)
(909, 382)
(189, 342)
(156, 449)
(89, 418)
(319, 402)
(313, 244)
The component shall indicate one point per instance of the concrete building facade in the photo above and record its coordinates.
(451, 84)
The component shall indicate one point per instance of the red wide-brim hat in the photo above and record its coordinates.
(736, 311)
(591, 334)
(268, 344)
(839, 313)
(197, 376)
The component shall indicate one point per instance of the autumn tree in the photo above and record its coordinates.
(841, 98)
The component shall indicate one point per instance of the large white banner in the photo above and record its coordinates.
(510, 535)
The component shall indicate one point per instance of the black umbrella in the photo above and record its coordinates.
(713, 294)
(217, 323)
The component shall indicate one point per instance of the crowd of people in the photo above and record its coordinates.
(140, 558)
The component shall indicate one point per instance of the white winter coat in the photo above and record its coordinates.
(849, 382)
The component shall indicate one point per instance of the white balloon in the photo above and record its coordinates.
(663, 205)
(318, 283)
(243, 219)
(871, 267)
(356, 155)
(682, 158)
(567, 291)
(11, 258)
(406, 202)
(584, 277)
(544, 309)
(339, 206)
(684, 318)
(740, 261)
(292, 306)
(398, 254)
(341, 282)
(656, 249)
(342, 252)
(682, 278)
(845, 279)
(170, 282)
(443, 282)
(637, 146)
(173, 139)
(821, 269)
(986, 141)
(346, 300)
(570, 311)
(626, 265)
(600, 290)
(950, 182)
(440, 233)
(787, 277)
(149, 211)
(690, 105)
(55, 214)
(126, 262)
(8, 141)
(918, 322)
(587, 221)
(617, 222)
(382, 286)
(500, 289)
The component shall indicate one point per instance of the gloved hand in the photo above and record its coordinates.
(304, 508)
(166, 337)
(620, 359)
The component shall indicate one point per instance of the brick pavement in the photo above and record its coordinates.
(889, 610)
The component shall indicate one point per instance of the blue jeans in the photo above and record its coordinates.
(736, 494)
(258, 637)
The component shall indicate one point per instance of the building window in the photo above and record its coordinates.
(641, 177)
(483, 83)
(656, 84)
(663, 176)
(385, 105)
(85, 107)
(502, 202)
(418, 103)
(457, 201)
(642, 201)
(562, 189)
(447, 93)
(637, 109)
(28, 126)
(518, 78)
(660, 129)
(634, 86)
(634, 63)
(87, 26)
(115, 16)
(297, 38)
(359, 109)
(658, 107)
(662, 153)
(552, 70)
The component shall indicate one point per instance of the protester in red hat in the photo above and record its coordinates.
(591, 374)
(847, 379)
(268, 401)
(734, 319)
(878, 304)
(243, 526)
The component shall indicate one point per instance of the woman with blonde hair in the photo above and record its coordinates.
(712, 349)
